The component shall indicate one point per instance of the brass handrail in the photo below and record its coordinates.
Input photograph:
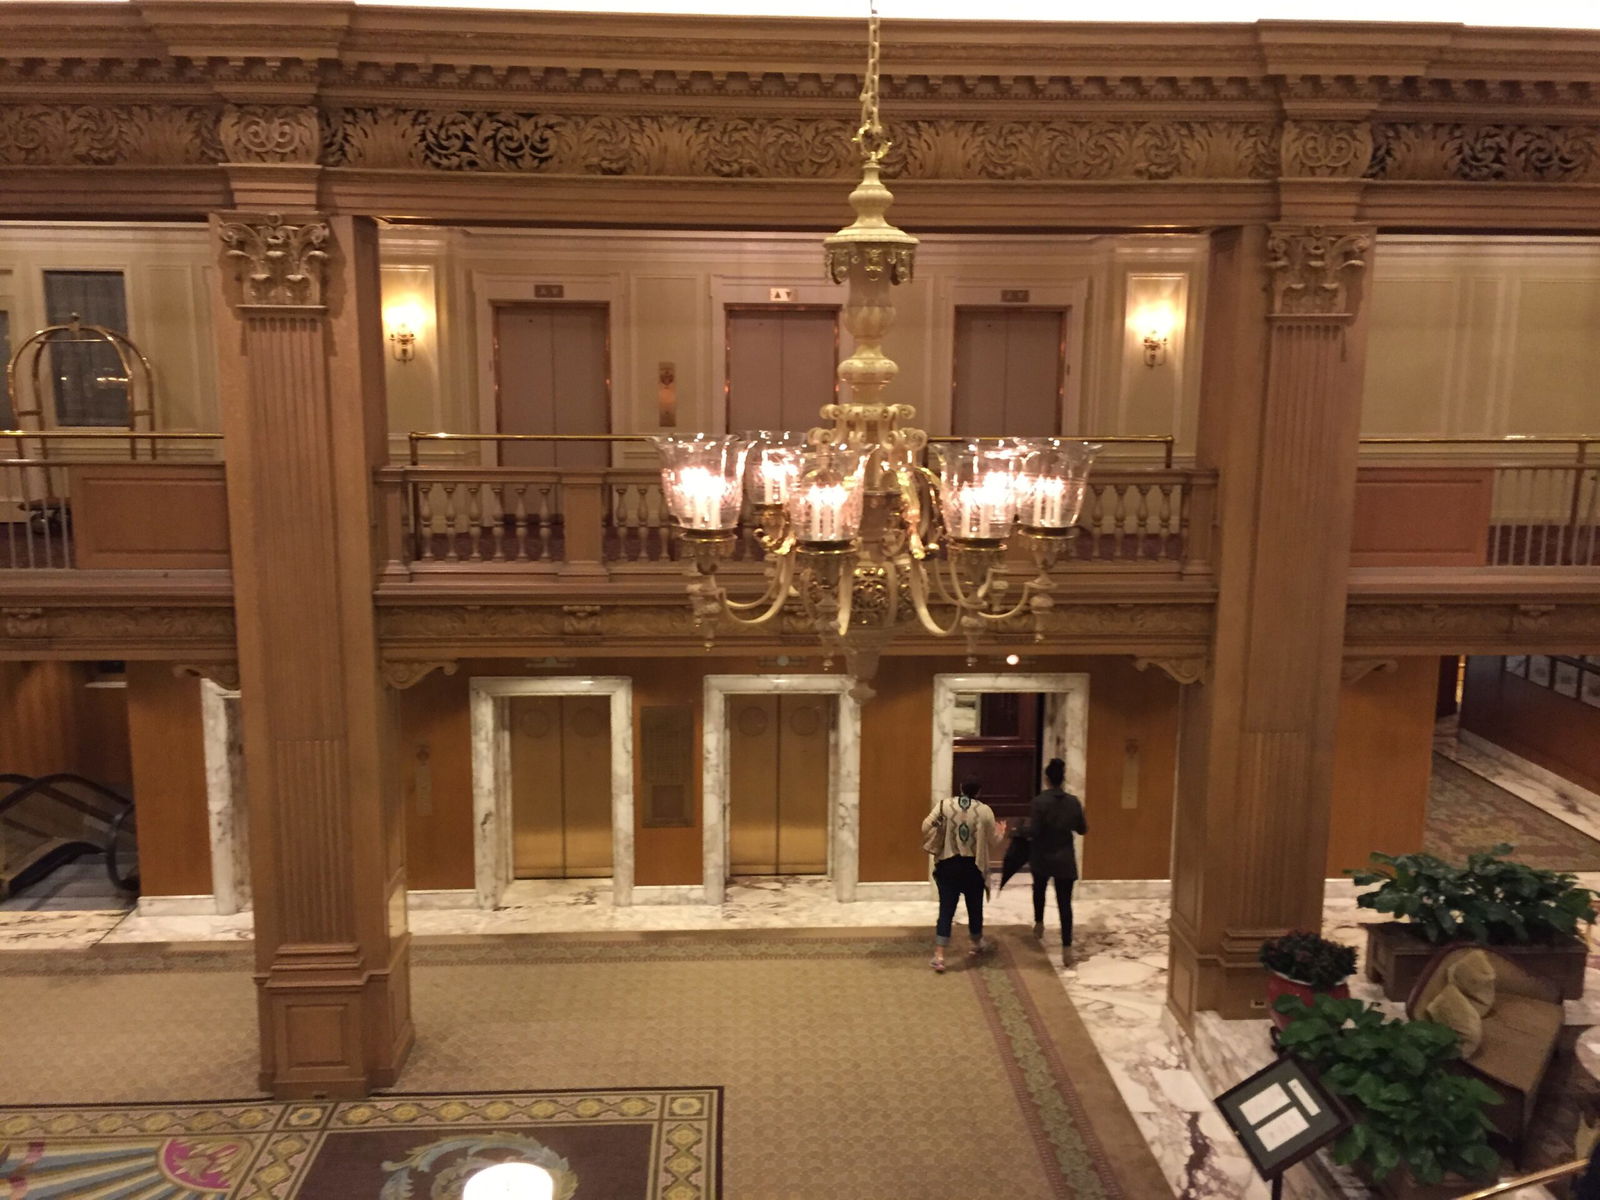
(1559, 1171)
(142, 435)
(1167, 441)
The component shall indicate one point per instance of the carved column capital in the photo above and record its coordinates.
(269, 133)
(1311, 269)
(278, 264)
(1326, 149)
(1181, 670)
(410, 672)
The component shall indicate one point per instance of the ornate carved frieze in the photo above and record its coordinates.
(105, 135)
(24, 622)
(1310, 269)
(1326, 149)
(792, 147)
(403, 673)
(264, 133)
(279, 264)
(1487, 153)
(1469, 627)
(581, 621)
(132, 626)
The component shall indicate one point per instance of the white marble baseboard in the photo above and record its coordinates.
(1123, 889)
(441, 898)
(176, 906)
(895, 892)
(681, 893)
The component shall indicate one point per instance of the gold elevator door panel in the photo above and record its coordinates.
(560, 750)
(779, 777)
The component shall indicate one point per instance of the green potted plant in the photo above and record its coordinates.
(1305, 964)
(1527, 913)
(1421, 1129)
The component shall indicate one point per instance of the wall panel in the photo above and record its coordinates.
(169, 780)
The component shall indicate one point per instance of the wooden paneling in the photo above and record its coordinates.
(1383, 761)
(53, 722)
(169, 780)
(1133, 721)
(436, 744)
(155, 516)
(1422, 516)
(1557, 732)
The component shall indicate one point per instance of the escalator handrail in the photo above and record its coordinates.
(44, 785)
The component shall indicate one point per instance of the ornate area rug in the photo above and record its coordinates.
(1468, 813)
(634, 1144)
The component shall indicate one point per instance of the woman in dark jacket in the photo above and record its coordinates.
(1055, 816)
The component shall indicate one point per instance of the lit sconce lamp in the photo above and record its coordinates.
(1154, 323)
(403, 321)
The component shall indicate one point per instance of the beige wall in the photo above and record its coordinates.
(1480, 336)
(667, 293)
(166, 268)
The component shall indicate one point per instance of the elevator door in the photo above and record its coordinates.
(781, 366)
(552, 375)
(779, 783)
(1009, 372)
(560, 749)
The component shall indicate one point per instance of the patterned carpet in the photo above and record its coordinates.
(635, 1144)
(1467, 813)
(846, 1068)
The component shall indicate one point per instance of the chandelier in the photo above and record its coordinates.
(864, 530)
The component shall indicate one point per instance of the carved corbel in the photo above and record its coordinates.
(401, 674)
(1326, 149)
(24, 622)
(224, 674)
(1311, 268)
(1185, 670)
(1354, 670)
(278, 265)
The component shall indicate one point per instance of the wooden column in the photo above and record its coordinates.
(1281, 407)
(301, 372)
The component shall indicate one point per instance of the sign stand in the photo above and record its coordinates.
(1280, 1115)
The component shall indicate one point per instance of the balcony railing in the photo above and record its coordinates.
(499, 519)
(111, 499)
(1513, 502)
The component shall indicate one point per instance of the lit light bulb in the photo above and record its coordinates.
(1013, 659)
(510, 1181)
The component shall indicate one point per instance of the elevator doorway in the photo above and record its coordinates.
(998, 740)
(780, 773)
(552, 367)
(560, 758)
(1009, 372)
(782, 362)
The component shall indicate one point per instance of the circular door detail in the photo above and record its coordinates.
(751, 720)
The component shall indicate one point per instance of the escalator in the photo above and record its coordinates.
(51, 820)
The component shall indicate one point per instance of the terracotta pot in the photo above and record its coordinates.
(1397, 953)
(1279, 984)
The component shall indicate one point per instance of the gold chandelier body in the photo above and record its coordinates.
(860, 538)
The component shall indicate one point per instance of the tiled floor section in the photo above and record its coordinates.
(1117, 978)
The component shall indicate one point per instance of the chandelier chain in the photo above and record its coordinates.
(870, 137)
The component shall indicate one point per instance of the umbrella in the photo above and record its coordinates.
(1016, 856)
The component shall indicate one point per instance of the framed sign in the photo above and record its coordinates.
(1280, 1115)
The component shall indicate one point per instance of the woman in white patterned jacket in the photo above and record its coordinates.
(969, 836)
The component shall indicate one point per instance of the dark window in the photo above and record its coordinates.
(90, 388)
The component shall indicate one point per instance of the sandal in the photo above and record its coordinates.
(981, 949)
(937, 964)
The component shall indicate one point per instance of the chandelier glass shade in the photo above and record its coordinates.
(863, 527)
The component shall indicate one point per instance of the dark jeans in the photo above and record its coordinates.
(956, 877)
(1063, 902)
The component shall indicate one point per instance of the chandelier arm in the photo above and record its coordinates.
(1029, 590)
(919, 603)
(772, 600)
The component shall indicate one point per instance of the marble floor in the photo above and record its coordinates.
(1116, 976)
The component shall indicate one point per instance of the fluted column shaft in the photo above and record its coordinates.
(1281, 419)
(301, 380)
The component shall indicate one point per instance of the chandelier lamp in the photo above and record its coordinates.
(860, 535)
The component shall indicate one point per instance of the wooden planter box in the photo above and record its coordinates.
(1396, 955)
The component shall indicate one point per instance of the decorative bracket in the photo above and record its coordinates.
(224, 674)
(1180, 670)
(401, 674)
(1354, 670)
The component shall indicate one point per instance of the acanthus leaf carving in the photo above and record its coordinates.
(264, 133)
(280, 264)
(1309, 268)
(1326, 149)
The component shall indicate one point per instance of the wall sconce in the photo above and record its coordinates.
(1153, 323)
(403, 321)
